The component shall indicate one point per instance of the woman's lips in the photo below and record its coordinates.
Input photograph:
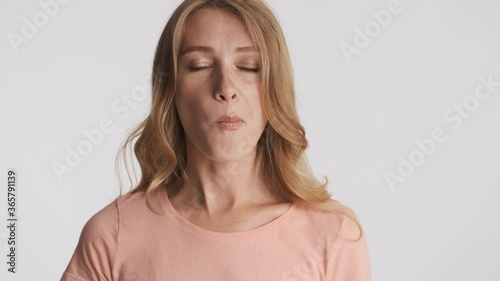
(230, 125)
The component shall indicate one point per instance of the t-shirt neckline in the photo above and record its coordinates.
(186, 224)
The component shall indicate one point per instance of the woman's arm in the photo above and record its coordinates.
(350, 261)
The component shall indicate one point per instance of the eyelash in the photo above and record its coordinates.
(194, 69)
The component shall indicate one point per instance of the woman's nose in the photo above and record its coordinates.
(225, 87)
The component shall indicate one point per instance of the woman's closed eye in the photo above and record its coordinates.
(251, 69)
(199, 68)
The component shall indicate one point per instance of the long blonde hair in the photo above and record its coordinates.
(160, 146)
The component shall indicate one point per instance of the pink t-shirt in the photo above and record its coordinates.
(125, 241)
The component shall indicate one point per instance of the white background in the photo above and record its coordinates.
(361, 113)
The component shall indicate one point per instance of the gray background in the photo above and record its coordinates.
(363, 114)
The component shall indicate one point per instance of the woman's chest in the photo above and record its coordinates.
(178, 259)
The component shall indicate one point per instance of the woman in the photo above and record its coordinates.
(226, 192)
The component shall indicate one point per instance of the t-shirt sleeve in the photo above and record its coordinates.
(350, 260)
(93, 257)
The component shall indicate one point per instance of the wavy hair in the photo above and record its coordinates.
(159, 139)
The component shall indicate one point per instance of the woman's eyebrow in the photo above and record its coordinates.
(206, 49)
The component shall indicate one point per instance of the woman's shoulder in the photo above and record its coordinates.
(96, 246)
(330, 221)
(134, 203)
(108, 216)
(103, 223)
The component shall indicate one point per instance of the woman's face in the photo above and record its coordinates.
(219, 75)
